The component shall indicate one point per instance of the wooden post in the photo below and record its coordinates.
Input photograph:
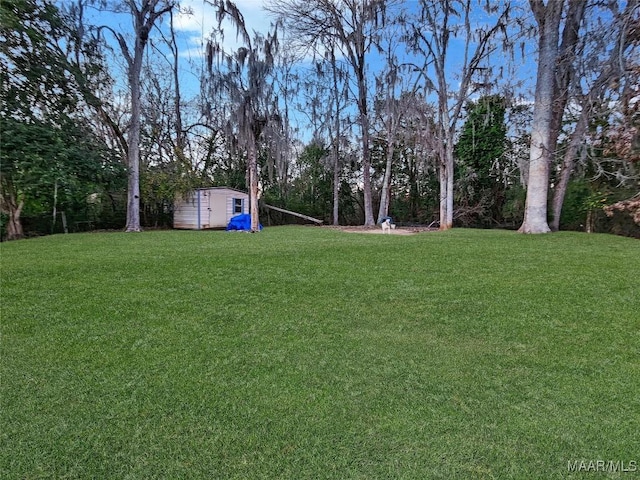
(64, 221)
(306, 217)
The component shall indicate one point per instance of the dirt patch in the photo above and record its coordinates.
(378, 230)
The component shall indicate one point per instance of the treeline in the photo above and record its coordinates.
(344, 111)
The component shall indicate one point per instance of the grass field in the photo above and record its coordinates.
(310, 353)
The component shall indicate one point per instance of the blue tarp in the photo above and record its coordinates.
(241, 222)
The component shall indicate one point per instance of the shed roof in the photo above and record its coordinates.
(221, 188)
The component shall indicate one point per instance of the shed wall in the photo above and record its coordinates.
(216, 208)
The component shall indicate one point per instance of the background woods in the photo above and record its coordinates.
(454, 113)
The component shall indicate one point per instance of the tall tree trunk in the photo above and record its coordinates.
(446, 191)
(608, 74)
(590, 222)
(336, 142)
(568, 162)
(564, 67)
(383, 211)
(445, 147)
(336, 184)
(446, 172)
(366, 162)
(448, 221)
(359, 66)
(133, 160)
(14, 225)
(541, 150)
(252, 166)
(442, 174)
(54, 214)
(144, 17)
(177, 110)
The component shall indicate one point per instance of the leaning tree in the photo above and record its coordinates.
(606, 66)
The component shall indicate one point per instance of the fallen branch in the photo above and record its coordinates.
(306, 217)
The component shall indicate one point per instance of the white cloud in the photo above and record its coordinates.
(201, 21)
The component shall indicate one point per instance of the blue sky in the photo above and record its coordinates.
(193, 28)
(196, 24)
(200, 22)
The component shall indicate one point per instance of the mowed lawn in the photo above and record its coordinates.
(311, 353)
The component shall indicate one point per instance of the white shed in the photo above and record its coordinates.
(209, 208)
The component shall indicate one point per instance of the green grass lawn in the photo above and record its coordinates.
(310, 353)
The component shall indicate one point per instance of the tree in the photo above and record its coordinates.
(430, 35)
(415, 161)
(39, 107)
(86, 62)
(312, 186)
(243, 78)
(354, 25)
(338, 93)
(325, 104)
(554, 71)
(479, 151)
(144, 17)
(47, 167)
(606, 64)
(390, 107)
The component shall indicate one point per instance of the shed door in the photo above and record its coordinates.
(218, 213)
(205, 207)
